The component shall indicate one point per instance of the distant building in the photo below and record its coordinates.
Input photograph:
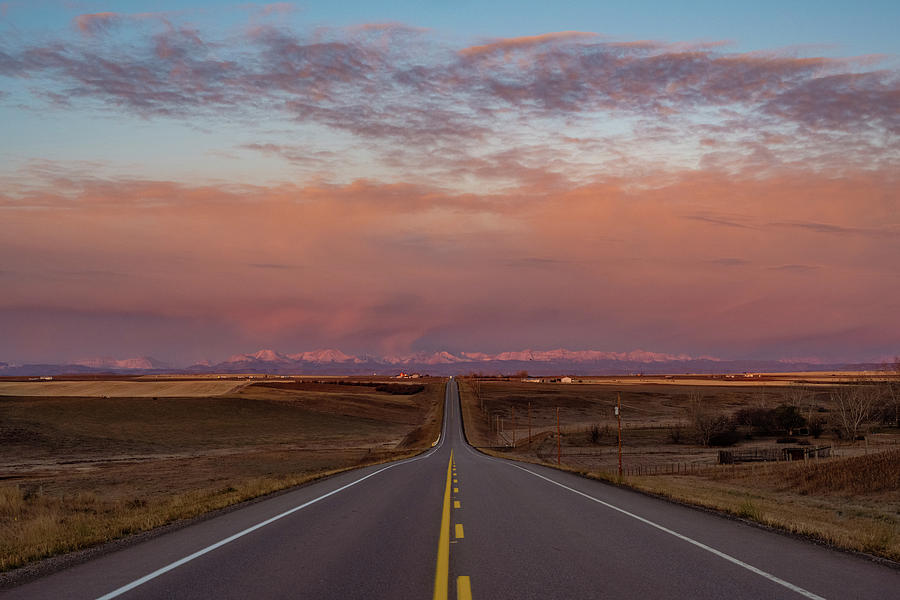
(565, 380)
(403, 375)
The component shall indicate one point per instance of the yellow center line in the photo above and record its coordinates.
(455, 490)
(442, 572)
(459, 531)
(463, 588)
(456, 504)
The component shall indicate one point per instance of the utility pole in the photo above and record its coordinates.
(529, 423)
(619, 419)
(513, 408)
(558, 440)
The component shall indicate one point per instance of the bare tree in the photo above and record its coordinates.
(891, 406)
(855, 403)
(702, 419)
(795, 396)
(801, 399)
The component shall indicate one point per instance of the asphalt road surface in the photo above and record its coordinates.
(469, 526)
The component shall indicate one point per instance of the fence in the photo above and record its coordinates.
(667, 469)
(731, 457)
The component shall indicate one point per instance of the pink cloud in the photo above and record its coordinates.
(93, 24)
(399, 85)
(279, 8)
(775, 264)
(524, 42)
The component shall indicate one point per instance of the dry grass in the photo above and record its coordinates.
(853, 476)
(82, 471)
(851, 501)
(120, 389)
(825, 508)
(35, 524)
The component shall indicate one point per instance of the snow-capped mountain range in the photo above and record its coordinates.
(335, 362)
(448, 358)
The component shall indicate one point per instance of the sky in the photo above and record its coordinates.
(192, 180)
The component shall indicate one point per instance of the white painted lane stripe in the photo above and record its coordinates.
(137, 582)
(718, 553)
(685, 538)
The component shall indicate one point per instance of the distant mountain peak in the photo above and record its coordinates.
(143, 363)
(264, 355)
(324, 355)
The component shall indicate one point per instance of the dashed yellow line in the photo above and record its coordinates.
(463, 588)
(442, 572)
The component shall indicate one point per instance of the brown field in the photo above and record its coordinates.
(121, 389)
(851, 500)
(79, 471)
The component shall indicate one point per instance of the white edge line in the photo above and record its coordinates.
(163, 570)
(680, 536)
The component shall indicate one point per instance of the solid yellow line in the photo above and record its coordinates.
(442, 572)
(463, 588)
(459, 531)
(456, 504)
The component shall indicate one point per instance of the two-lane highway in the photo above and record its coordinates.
(455, 523)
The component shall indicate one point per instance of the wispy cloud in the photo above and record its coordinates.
(716, 220)
(275, 266)
(794, 268)
(97, 23)
(828, 228)
(405, 87)
(729, 262)
(505, 45)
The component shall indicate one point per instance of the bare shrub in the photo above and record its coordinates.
(817, 427)
(724, 432)
(700, 417)
(788, 418)
(759, 420)
(710, 428)
(676, 434)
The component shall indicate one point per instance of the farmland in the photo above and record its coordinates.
(175, 388)
(851, 499)
(81, 470)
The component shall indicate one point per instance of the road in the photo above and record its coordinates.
(469, 526)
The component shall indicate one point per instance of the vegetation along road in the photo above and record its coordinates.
(453, 522)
